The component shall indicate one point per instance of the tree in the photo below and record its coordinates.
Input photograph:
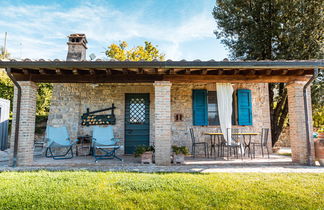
(147, 52)
(270, 30)
(4, 54)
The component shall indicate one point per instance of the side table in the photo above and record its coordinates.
(83, 147)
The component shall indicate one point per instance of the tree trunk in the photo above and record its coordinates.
(278, 110)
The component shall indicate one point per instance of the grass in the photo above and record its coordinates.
(111, 190)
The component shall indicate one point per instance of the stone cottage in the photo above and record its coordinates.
(157, 101)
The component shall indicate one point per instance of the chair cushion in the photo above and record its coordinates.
(59, 135)
(103, 135)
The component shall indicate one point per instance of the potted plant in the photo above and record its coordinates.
(179, 153)
(319, 147)
(146, 154)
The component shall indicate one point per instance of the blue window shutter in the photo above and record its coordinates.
(244, 106)
(199, 107)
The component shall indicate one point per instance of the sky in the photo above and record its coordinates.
(182, 29)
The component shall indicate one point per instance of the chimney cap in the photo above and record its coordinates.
(77, 39)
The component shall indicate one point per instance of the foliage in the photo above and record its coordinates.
(139, 150)
(318, 101)
(6, 87)
(44, 98)
(116, 190)
(272, 29)
(44, 94)
(180, 150)
(147, 52)
(4, 54)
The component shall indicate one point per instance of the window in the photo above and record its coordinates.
(213, 118)
(205, 111)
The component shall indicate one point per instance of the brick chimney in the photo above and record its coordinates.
(77, 47)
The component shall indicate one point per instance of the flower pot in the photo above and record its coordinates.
(147, 158)
(319, 150)
(178, 158)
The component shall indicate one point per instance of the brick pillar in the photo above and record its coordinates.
(27, 124)
(162, 122)
(297, 124)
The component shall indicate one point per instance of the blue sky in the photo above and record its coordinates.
(182, 29)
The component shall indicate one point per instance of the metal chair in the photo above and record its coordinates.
(58, 138)
(103, 139)
(235, 145)
(263, 142)
(195, 143)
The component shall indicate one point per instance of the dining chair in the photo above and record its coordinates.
(197, 143)
(235, 145)
(263, 142)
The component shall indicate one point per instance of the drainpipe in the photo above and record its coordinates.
(309, 162)
(15, 152)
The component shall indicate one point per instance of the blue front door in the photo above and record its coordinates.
(137, 120)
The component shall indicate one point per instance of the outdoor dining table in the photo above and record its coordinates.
(246, 141)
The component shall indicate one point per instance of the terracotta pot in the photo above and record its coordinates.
(320, 136)
(319, 150)
(147, 158)
(178, 158)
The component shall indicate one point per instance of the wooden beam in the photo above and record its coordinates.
(75, 72)
(220, 71)
(268, 72)
(187, 71)
(92, 72)
(125, 71)
(236, 71)
(97, 78)
(108, 72)
(58, 71)
(171, 71)
(42, 71)
(284, 72)
(176, 78)
(300, 72)
(140, 71)
(233, 78)
(204, 71)
(252, 72)
(25, 71)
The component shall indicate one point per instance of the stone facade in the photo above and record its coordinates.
(27, 124)
(297, 123)
(70, 101)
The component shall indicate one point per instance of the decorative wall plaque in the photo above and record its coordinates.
(91, 118)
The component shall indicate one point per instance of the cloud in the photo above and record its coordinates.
(40, 31)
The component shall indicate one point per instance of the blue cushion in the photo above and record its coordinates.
(57, 135)
(103, 135)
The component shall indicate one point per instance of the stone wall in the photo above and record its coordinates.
(70, 101)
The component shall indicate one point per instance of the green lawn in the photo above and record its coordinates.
(108, 190)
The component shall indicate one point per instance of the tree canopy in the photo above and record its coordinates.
(147, 52)
(273, 29)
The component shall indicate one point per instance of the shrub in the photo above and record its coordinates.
(180, 150)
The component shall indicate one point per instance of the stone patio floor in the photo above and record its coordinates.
(276, 164)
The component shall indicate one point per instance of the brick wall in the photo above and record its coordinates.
(27, 124)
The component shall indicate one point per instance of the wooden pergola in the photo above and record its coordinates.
(149, 71)
(299, 74)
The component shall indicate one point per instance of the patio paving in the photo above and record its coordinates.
(276, 164)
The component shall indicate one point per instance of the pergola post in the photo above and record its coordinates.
(162, 122)
(297, 124)
(26, 126)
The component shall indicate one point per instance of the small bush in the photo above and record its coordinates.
(180, 150)
(143, 148)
